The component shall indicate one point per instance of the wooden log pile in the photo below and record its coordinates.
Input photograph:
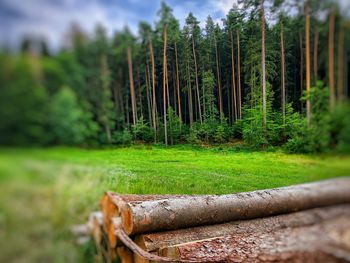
(301, 223)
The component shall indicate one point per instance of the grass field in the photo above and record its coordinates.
(45, 191)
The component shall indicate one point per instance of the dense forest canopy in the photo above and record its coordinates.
(267, 75)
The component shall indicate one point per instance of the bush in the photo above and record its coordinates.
(313, 137)
(70, 125)
(176, 128)
(253, 132)
(122, 137)
(23, 115)
(220, 134)
(340, 127)
(142, 131)
(210, 131)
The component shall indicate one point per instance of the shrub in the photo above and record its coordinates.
(176, 128)
(70, 124)
(122, 137)
(313, 137)
(142, 131)
(340, 127)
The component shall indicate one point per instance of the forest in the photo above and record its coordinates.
(271, 73)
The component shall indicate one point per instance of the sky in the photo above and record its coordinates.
(51, 19)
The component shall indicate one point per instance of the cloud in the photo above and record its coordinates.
(52, 19)
(224, 5)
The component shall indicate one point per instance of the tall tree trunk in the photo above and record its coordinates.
(140, 92)
(331, 60)
(346, 75)
(148, 93)
(178, 83)
(316, 55)
(218, 78)
(120, 94)
(283, 78)
(154, 102)
(239, 75)
(301, 68)
(173, 72)
(307, 55)
(127, 109)
(165, 87)
(196, 73)
(190, 105)
(234, 99)
(340, 78)
(263, 63)
(105, 86)
(132, 88)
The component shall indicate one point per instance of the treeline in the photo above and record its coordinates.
(281, 82)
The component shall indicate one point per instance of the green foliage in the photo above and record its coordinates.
(122, 137)
(68, 122)
(208, 98)
(253, 131)
(142, 131)
(340, 127)
(315, 136)
(176, 128)
(23, 102)
(212, 130)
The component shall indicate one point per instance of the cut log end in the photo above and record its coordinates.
(127, 219)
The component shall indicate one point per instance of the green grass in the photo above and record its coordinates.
(45, 191)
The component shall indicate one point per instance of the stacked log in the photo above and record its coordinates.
(301, 223)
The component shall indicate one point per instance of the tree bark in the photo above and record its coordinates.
(263, 63)
(331, 60)
(154, 103)
(340, 78)
(153, 242)
(307, 55)
(174, 213)
(218, 78)
(234, 97)
(283, 78)
(196, 73)
(190, 103)
(321, 242)
(111, 205)
(301, 69)
(105, 86)
(239, 75)
(178, 83)
(316, 55)
(132, 88)
(165, 88)
(149, 100)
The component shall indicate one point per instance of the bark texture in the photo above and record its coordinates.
(331, 60)
(111, 205)
(132, 88)
(307, 56)
(324, 242)
(175, 213)
(154, 241)
(165, 87)
(263, 63)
